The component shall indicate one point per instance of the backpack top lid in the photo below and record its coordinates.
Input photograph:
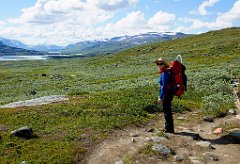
(179, 58)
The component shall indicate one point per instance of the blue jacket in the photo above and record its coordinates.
(164, 81)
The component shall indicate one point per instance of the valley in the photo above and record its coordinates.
(111, 104)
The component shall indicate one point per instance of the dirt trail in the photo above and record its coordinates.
(125, 146)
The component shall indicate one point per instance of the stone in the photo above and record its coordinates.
(181, 118)
(178, 158)
(232, 112)
(218, 131)
(211, 157)
(119, 162)
(208, 119)
(195, 160)
(133, 139)
(204, 144)
(162, 149)
(147, 139)
(23, 132)
(158, 139)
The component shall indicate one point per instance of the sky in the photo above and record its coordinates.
(63, 22)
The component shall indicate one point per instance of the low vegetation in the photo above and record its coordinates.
(109, 92)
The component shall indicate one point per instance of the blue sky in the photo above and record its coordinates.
(63, 22)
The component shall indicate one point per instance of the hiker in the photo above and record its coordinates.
(165, 95)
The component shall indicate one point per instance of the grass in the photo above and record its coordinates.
(109, 92)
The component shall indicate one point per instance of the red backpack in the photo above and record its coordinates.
(178, 77)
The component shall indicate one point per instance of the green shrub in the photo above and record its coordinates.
(217, 104)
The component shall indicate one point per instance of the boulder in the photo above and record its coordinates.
(162, 149)
(23, 132)
(205, 144)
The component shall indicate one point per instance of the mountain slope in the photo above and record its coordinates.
(18, 44)
(8, 50)
(117, 44)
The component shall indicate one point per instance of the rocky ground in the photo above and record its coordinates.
(195, 141)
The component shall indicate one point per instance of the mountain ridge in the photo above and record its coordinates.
(104, 46)
(6, 50)
(119, 43)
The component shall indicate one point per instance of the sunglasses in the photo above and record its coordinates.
(159, 63)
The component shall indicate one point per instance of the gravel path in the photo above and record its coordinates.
(37, 101)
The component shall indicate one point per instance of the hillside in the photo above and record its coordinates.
(120, 43)
(105, 46)
(8, 50)
(112, 98)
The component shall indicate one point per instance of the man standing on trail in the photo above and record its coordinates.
(165, 95)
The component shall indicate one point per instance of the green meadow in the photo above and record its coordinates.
(110, 92)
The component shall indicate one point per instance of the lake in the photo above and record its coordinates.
(39, 57)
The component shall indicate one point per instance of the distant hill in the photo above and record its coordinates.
(95, 47)
(42, 47)
(117, 44)
(9, 50)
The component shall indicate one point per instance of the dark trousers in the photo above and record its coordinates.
(167, 109)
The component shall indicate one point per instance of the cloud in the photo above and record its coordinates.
(133, 23)
(232, 15)
(223, 20)
(109, 5)
(2, 23)
(202, 8)
(161, 21)
(67, 21)
(53, 11)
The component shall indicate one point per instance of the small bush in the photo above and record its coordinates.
(217, 104)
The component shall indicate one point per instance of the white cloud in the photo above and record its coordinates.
(202, 8)
(111, 5)
(223, 20)
(67, 21)
(53, 11)
(133, 23)
(232, 15)
(2, 23)
(161, 21)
